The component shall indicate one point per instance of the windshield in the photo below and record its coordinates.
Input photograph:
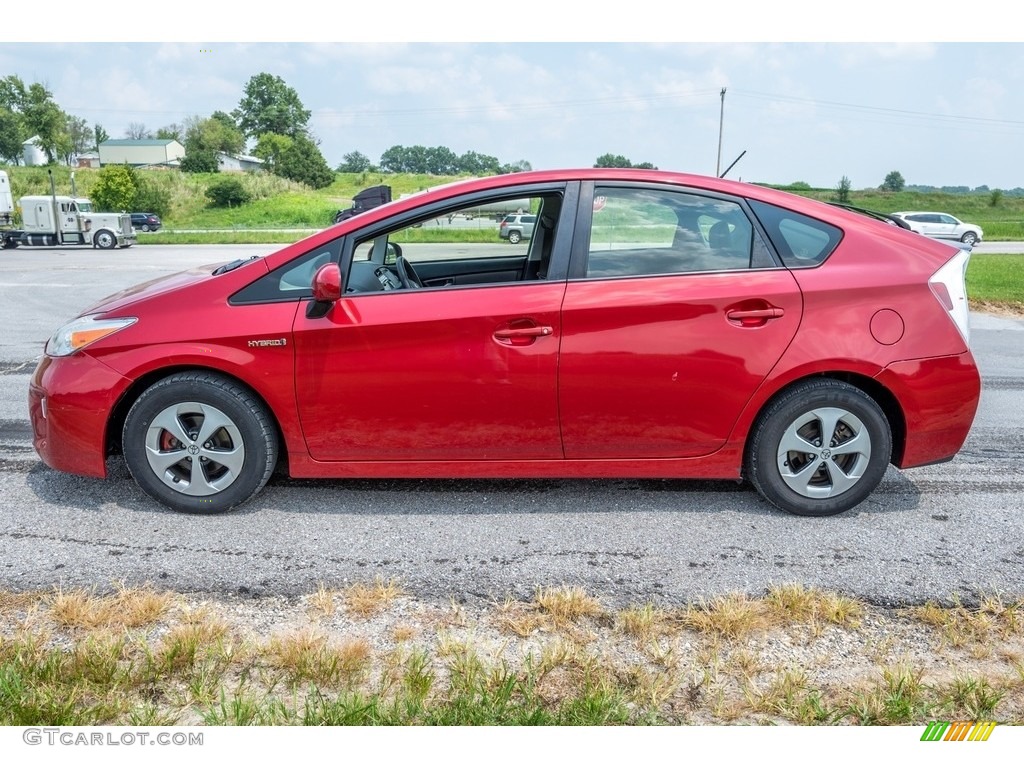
(84, 206)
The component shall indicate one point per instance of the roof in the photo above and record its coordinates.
(137, 142)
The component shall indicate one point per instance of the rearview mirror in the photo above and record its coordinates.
(327, 283)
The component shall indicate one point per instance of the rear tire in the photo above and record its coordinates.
(819, 449)
(199, 443)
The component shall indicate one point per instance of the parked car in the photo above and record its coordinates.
(941, 226)
(658, 325)
(147, 222)
(516, 227)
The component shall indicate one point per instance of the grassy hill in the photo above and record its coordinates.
(278, 203)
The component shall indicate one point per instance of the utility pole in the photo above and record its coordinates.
(721, 118)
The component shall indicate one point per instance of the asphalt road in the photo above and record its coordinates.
(934, 532)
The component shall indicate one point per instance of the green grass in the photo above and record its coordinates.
(997, 279)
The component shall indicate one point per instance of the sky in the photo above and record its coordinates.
(803, 101)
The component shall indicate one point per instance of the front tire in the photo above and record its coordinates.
(819, 449)
(514, 237)
(105, 239)
(969, 238)
(199, 443)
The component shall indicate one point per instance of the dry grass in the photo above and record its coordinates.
(82, 609)
(961, 626)
(308, 656)
(368, 599)
(568, 604)
(795, 603)
(731, 616)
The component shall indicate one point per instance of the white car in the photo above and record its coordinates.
(941, 226)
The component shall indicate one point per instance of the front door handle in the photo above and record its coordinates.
(512, 333)
(519, 337)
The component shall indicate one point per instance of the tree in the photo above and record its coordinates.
(843, 190)
(477, 164)
(80, 135)
(137, 131)
(303, 162)
(441, 161)
(612, 161)
(172, 131)
(11, 132)
(205, 137)
(270, 148)
(269, 105)
(40, 116)
(101, 135)
(516, 167)
(893, 182)
(355, 162)
(115, 189)
(217, 133)
(995, 197)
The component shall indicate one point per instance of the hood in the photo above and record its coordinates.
(118, 302)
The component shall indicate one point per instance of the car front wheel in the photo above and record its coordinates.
(969, 238)
(199, 442)
(819, 449)
(514, 237)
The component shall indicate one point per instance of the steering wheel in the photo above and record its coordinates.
(407, 273)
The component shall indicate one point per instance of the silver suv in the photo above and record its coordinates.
(516, 227)
(941, 226)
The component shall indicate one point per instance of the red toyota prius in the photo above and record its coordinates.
(654, 324)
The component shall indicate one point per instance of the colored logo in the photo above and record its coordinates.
(959, 730)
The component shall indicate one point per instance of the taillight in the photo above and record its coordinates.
(949, 284)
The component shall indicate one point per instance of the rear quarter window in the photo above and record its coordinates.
(801, 241)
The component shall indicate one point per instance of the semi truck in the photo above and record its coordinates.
(58, 220)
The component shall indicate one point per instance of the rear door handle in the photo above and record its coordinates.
(753, 318)
(755, 314)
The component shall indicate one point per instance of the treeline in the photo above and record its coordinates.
(982, 190)
(437, 161)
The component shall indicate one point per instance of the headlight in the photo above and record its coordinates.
(83, 332)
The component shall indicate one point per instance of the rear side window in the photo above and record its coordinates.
(801, 241)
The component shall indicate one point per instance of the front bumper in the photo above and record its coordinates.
(69, 403)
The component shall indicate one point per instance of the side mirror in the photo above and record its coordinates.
(327, 284)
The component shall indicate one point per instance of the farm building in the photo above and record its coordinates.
(139, 152)
(228, 162)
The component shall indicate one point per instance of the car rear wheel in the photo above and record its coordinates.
(198, 442)
(514, 237)
(969, 238)
(819, 449)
